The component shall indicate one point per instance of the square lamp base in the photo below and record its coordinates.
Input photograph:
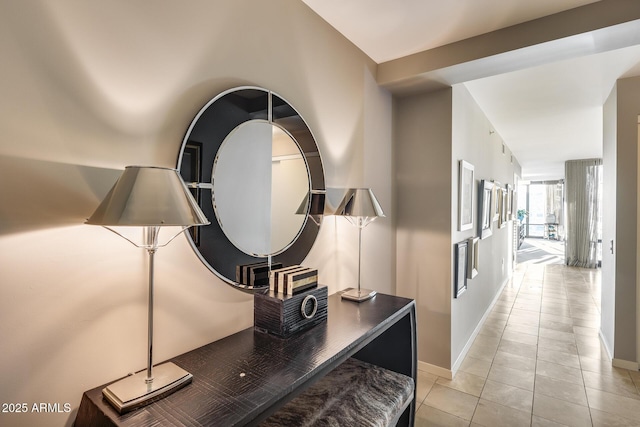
(358, 295)
(133, 391)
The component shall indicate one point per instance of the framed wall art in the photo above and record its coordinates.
(466, 182)
(513, 199)
(503, 201)
(473, 248)
(460, 280)
(485, 208)
(495, 200)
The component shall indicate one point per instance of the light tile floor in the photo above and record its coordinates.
(537, 361)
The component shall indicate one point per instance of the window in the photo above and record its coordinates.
(544, 203)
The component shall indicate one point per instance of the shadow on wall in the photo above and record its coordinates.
(37, 194)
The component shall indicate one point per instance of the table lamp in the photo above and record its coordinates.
(313, 205)
(149, 207)
(360, 207)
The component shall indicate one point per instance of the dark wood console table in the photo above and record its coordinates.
(242, 379)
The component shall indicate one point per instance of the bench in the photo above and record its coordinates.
(356, 394)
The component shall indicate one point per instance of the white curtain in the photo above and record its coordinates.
(582, 179)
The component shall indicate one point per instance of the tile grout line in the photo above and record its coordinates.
(494, 356)
(568, 291)
(535, 370)
(577, 294)
(584, 383)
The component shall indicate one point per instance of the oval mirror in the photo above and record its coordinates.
(251, 162)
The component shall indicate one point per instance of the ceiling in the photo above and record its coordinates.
(546, 114)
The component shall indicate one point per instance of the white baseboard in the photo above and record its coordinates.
(435, 370)
(604, 344)
(476, 331)
(618, 363)
(625, 364)
(450, 373)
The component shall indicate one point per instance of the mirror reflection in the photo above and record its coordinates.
(249, 159)
(259, 179)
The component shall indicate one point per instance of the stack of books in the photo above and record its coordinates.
(256, 274)
(293, 279)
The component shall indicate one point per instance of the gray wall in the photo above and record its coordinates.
(627, 219)
(608, 275)
(625, 153)
(433, 132)
(474, 142)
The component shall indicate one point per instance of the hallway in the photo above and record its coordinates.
(537, 360)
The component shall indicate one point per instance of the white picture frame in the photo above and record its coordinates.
(485, 208)
(503, 198)
(495, 201)
(473, 249)
(466, 186)
(460, 280)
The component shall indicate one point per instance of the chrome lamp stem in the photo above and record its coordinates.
(151, 244)
(138, 389)
(359, 294)
(359, 255)
(149, 378)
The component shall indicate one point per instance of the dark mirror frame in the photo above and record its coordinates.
(199, 148)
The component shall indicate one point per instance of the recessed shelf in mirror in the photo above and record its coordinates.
(250, 160)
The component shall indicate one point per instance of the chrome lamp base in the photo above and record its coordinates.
(358, 295)
(133, 391)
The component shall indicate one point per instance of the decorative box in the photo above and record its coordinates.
(256, 274)
(284, 315)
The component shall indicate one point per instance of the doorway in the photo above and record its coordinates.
(543, 203)
(541, 222)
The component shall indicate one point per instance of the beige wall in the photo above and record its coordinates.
(422, 150)
(620, 283)
(90, 87)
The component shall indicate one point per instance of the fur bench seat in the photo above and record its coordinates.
(355, 394)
